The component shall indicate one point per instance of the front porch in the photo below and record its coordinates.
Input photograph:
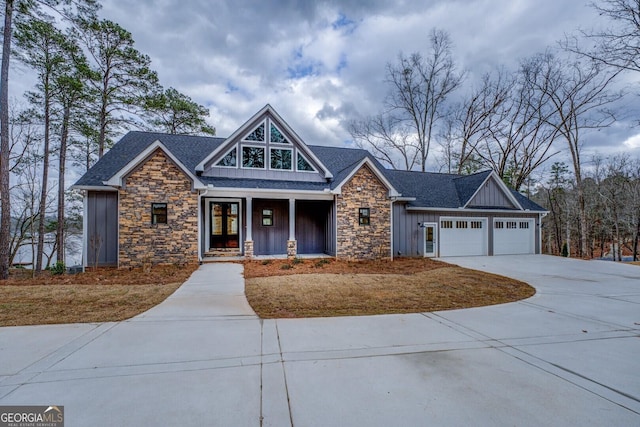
(247, 227)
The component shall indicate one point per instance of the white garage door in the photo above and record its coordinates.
(463, 236)
(513, 236)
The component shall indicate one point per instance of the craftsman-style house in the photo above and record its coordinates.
(263, 191)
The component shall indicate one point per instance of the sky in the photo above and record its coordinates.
(321, 64)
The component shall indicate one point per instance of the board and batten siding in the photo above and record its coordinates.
(102, 228)
(270, 174)
(270, 239)
(491, 195)
(407, 233)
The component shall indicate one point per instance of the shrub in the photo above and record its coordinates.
(565, 250)
(285, 266)
(58, 268)
(321, 263)
(297, 261)
(266, 262)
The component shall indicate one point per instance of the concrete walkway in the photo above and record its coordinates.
(567, 356)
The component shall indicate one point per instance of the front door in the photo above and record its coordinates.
(430, 241)
(224, 225)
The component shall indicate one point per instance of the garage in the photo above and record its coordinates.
(463, 236)
(513, 236)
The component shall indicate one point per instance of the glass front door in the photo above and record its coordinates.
(430, 233)
(225, 218)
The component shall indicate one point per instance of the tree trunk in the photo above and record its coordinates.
(45, 180)
(61, 169)
(5, 201)
(636, 237)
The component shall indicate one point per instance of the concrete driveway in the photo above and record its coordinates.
(570, 355)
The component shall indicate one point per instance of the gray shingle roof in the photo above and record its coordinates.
(436, 190)
(190, 150)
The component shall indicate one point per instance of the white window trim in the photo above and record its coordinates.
(216, 165)
(263, 147)
(283, 144)
(289, 148)
(251, 141)
(298, 153)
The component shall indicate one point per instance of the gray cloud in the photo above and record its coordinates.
(322, 63)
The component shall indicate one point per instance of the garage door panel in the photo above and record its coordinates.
(463, 236)
(513, 236)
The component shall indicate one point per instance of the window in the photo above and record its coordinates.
(230, 160)
(462, 224)
(267, 217)
(256, 135)
(304, 165)
(499, 224)
(276, 136)
(253, 157)
(524, 224)
(158, 213)
(364, 216)
(511, 224)
(281, 159)
(476, 224)
(446, 224)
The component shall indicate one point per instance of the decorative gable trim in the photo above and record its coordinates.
(503, 187)
(250, 125)
(366, 161)
(117, 178)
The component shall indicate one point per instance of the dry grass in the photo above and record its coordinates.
(635, 263)
(105, 295)
(338, 288)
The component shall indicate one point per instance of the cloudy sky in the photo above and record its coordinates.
(322, 63)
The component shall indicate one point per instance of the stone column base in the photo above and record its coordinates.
(292, 248)
(248, 249)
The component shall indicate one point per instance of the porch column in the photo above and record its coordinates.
(248, 240)
(292, 244)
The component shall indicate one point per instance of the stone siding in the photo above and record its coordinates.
(355, 241)
(292, 248)
(158, 180)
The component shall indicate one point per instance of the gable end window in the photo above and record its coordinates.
(253, 157)
(230, 159)
(158, 213)
(275, 136)
(256, 135)
(281, 159)
(304, 165)
(364, 216)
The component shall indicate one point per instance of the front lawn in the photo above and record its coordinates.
(327, 287)
(106, 295)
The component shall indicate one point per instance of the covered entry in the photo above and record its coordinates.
(225, 225)
(312, 226)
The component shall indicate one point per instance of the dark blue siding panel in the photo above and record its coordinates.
(102, 228)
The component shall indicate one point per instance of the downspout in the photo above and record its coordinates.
(391, 228)
(200, 225)
(85, 227)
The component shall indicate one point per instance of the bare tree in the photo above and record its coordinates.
(580, 96)
(5, 201)
(419, 88)
(388, 139)
(617, 46)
